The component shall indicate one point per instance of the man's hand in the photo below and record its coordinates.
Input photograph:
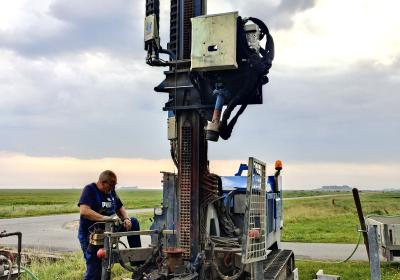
(127, 224)
(88, 213)
(121, 212)
(110, 218)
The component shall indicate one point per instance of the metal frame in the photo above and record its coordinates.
(255, 236)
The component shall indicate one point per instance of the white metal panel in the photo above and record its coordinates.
(214, 42)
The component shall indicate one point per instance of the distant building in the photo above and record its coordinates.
(129, 188)
(335, 188)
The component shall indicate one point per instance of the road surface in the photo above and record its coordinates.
(57, 233)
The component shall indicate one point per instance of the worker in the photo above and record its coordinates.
(98, 202)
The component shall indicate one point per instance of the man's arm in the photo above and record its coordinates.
(123, 215)
(90, 214)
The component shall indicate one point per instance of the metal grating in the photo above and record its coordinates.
(280, 265)
(187, 27)
(255, 222)
(153, 7)
(185, 183)
(174, 31)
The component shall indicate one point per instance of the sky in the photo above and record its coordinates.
(76, 96)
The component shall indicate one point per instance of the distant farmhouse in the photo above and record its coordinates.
(129, 188)
(335, 188)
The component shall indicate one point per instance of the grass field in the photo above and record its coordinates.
(333, 219)
(36, 202)
(347, 271)
(316, 219)
(23, 203)
(306, 193)
(73, 267)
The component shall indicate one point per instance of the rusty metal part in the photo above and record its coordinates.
(135, 254)
(225, 258)
(19, 235)
(174, 258)
(185, 184)
(209, 193)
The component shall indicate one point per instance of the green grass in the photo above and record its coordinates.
(332, 219)
(23, 203)
(145, 220)
(306, 220)
(306, 193)
(347, 271)
(319, 219)
(36, 202)
(73, 267)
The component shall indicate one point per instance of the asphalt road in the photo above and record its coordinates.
(57, 233)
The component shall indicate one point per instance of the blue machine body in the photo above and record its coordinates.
(234, 192)
(237, 186)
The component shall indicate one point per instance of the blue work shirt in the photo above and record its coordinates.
(104, 204)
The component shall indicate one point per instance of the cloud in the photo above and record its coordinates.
(278, 14)
(73, 82)
(94, 105)
(74, 172)
(51, 27)
(322, 115)
(307, 175)
(68, 26)
(86, 105)
(286, 11)
(340, 33)
(70, 172)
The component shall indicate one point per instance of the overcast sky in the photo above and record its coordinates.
(76, 95)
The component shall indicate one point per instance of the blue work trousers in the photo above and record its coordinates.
(93, 263)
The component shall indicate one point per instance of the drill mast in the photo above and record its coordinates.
(191, 145)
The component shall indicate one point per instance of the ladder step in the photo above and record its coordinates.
(279, 265)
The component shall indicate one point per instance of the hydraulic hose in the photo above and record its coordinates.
(349, 257)
(30, 273)
(355, 249)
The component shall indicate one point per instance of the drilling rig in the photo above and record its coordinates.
(209, 227)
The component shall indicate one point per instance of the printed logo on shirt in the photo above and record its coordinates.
(106, 204)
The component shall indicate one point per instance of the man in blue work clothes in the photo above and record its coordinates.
(98, 202)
